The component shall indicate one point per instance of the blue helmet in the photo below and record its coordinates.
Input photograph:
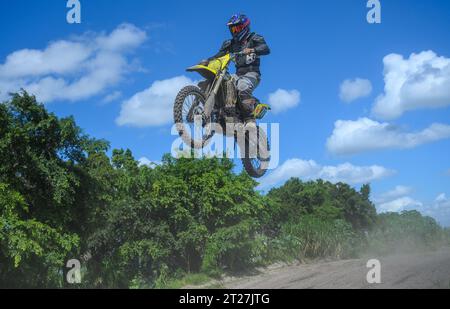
(239, 26)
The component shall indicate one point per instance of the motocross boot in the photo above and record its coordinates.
(248, 108)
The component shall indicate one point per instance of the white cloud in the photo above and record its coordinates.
(441, 198)
(282, 100)
(310, 170)
(74, 69)
(397, 192)
(124, 37)
(439, 209)
(112, 97)
(147, 162)
(153, 106)
(419, 82)
(59, 57)
(399, 204)
(351, 137)
(353, 89)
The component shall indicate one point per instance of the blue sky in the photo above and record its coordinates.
(389, 124)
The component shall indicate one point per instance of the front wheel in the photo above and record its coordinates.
(189, 107)
(256, 159)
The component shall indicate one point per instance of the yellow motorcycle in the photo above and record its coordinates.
(214, 104)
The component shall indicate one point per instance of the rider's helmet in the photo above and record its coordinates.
(239, 26)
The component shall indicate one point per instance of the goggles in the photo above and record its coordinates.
(235, 29)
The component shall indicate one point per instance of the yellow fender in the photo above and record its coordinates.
(213, 68)
(204, 71)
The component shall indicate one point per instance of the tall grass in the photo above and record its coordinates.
(405, 232)
(312, 237)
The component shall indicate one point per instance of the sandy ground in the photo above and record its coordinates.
(412, 271)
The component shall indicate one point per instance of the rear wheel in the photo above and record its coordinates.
(256, 159)
(188, 109)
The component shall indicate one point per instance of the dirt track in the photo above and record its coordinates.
(427, 270)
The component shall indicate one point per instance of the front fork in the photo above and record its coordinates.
(211, 101)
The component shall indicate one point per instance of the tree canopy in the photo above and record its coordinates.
(62, 197)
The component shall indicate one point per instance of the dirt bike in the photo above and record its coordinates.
(215, 101)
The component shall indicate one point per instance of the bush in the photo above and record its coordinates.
(231, 248)
(408, 231)
(62, 197)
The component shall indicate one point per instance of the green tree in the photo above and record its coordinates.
(406, 231)
(42, 207)
(62, 196)
(168, 219)
(325, 200)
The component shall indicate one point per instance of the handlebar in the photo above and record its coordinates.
(241, 53)
(232, 56)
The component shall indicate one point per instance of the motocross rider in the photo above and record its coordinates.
(253, 46)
